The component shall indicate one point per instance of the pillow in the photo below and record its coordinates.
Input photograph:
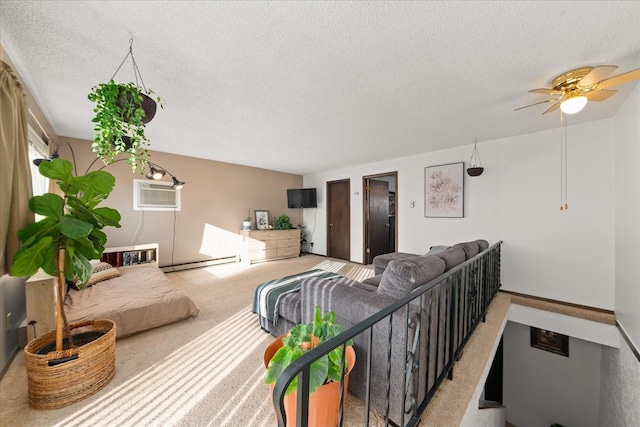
(482, 244)
(401, 277)
(100, 272)
(452, 257)
(437, 249)
(470, 249)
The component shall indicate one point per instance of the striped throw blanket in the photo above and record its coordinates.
(267, 295)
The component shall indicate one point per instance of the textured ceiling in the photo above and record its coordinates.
(303, 87)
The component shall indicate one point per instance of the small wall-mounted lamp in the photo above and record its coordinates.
(156, 172)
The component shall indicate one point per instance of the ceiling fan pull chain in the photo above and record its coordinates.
(563, 163)
(566, 192)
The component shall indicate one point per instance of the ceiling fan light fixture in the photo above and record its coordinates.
(573, 104)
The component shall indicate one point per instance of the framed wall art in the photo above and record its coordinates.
(549, 341)
(444, 191)
(262, 220)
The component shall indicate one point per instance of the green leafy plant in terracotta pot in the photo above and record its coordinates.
(121, 112)
(62, 244)
(324, 381)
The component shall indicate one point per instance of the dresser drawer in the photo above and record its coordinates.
(288, 252)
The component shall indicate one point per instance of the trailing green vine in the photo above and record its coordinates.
(118, 122)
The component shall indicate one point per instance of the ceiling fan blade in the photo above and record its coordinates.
(599, 95)
(546, 91)
(537, 103)
(552, 108)
(596, 75)
(619, 79)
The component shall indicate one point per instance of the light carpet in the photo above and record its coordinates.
(204, 371)
(208, 370)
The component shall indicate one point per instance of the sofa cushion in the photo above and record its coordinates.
(437, 249)
(380, 262)
(373, 281)
(452, 257)
(290, 307)
(366, 287)
(470, 249)
(482, 244)
(403, 276)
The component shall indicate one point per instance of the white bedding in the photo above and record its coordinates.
(141, 298)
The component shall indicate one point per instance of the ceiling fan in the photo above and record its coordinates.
(572, 90)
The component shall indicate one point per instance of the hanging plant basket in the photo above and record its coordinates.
(475, 165)
(148, 105)
(475, 171)
(122, 110)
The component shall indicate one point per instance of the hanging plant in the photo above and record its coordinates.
(122, 110)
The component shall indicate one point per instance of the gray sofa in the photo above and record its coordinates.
(355, 301)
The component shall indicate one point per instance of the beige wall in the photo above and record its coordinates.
(215, 201)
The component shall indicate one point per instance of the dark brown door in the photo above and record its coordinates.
(378, 214)
(338, 220)
(380, 208)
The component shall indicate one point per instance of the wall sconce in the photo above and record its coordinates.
(475, 165)
(156, 172)
(55, 155)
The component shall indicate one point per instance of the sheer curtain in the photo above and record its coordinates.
(15, 176)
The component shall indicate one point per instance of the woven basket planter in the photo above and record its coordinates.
(90, 368)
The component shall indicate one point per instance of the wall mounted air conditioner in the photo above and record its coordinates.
(155, 196)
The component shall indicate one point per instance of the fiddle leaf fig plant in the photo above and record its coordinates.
(303, 338)
(119, 121)
(70, 233)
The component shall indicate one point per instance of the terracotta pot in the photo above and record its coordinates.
(324, 403)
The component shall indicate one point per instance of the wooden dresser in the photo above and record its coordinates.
(269, 245)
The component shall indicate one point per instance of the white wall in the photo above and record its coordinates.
(627, 217)
(563, 255)
(542, 388)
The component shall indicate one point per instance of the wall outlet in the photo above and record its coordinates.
(7, 322)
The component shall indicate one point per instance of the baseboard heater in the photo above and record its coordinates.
(200, 264)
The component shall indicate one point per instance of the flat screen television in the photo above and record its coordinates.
(302, 198)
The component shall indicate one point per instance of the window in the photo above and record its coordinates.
(38, 149)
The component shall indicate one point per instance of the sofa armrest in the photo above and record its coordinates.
(351, 304)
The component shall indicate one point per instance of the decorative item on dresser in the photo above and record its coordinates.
(268, 245)
(262, 220)
(246, 224)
